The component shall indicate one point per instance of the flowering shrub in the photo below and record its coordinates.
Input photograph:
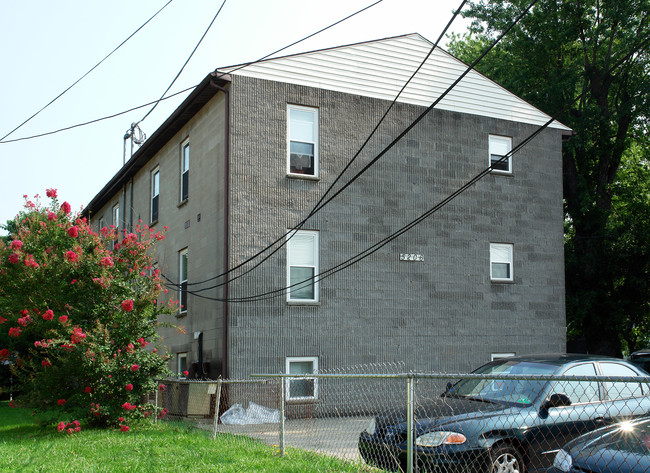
(78, 319)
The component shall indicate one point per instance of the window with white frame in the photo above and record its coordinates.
(185, 170)
(303, 388)
(116, 224)
(181, 364)
(182, 277)
(501, 257)
(102, 223)
(302, 140)
(302, 266)
(155, 194)
(499, 147)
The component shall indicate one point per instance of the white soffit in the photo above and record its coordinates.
(379, 69)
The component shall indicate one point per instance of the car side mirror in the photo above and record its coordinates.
(555, 400)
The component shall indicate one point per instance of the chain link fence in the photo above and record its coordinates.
(408, 422)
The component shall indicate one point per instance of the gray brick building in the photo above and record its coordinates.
(247, 156)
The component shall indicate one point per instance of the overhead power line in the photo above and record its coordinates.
(377, 246)
(283, 240)
(108, 117)
(82, 77)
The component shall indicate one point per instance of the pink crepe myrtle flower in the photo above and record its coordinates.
(106, 262)
(73, 231)
(60, 402)
(88, 390)
(63, 319)
(16, 245)
(60, 426)
(127, 305)
(186, 372)
(51, 216)
(46, 363)
(51, 193)
(2, 320)
(65, 207)
(4, 354)
(135, 367)
(15, 331)
(14, 258)
(129, 387)
(48, 314)
(71, 256)
(124, 428)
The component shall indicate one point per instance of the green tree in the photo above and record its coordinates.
(560, 51)
(78, 315)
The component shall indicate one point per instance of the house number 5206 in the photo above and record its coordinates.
(410, 257)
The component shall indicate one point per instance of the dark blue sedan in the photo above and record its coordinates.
(509, 421)
(618, 448)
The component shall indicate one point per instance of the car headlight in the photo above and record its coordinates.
(563, 461)
(371, 427)
(435, 439)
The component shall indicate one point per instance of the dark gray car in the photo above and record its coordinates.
(509, 425)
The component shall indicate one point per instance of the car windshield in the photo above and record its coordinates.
(516, 391)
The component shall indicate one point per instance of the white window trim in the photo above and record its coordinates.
(316, 130)
(510, 261)
(116, 207)
(185, 144)
(155, 192)
(503, 140)
(315, 266)
(183, 252)
(501, 355)
(299, 359)
(180, 356)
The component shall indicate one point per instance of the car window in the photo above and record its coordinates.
(579, 391)
(620, 389)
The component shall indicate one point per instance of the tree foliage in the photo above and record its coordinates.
(597, 51)
(78, 315)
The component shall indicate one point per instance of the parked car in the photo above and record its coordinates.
(641, 358)
(618, 448)
(504, 424)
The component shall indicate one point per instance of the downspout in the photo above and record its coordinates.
(226, 229)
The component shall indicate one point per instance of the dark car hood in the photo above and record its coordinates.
(441, 411)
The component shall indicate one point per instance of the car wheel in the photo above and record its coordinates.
(506, 459)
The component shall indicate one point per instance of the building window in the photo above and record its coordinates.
(499, 147)
(181, 364)
(185, 170)
(299, 389)
(501, 356)
(501, 262)
(116, 224)
(102, 224)
(182, 277)
(155, 194)
(302, 140)
(302, 266)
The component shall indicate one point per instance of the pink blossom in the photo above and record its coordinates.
(71, 256)
(60, 426)
(73, 231)
(124, 428)
(46, 363)
(135, 367)
(127, 305)
(60, 402)
(4, 354)
(48, 315)
(106, 262)
(14, 258)
(129, 387)
(63, 319)
(2, 320)
(51, 216)
(65, 207)
(15, 332)
(16, 245)
(87, 390)
(51, 193)
(186, 373)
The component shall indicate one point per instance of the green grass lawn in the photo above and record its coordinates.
(147, 447)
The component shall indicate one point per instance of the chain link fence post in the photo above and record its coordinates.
(409, 424)
(282, 389)
(216, 409)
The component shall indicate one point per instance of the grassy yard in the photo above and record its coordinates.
(147, 447)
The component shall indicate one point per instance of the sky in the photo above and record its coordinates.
(46, 46)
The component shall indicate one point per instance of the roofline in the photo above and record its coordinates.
(202, 94)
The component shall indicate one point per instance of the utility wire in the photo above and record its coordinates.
(78, 80)
(182, 68)
(374, 248)
(322, 203)
(2, 141)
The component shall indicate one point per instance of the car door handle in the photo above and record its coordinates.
(599, 420)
